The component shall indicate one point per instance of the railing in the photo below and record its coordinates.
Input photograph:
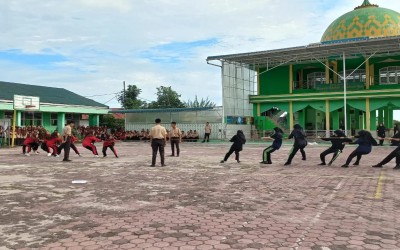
(322, 87)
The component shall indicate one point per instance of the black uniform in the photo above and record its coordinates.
(300, 142)
(394, 154)
(365, 143)
(336, 148)
(238, 140)
(276, 145)
(381, 131)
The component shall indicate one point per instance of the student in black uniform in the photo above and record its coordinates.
(276, 145)
(365, 142)
(300, 142)
(394, 154)
(337, 146)
(381, 132)
(238, 140)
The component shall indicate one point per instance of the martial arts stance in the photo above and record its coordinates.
(88, 143)
(337, 147)
(394, 154)
(365, 142)
(72, 145)
(276, 145)
(300, 142)
(238, 140)
(31, 142)
(109, 142)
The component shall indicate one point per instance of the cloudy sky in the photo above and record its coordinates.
(91, 46)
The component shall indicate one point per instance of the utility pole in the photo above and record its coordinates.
(124, 96)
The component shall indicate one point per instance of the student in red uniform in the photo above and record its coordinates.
(109, 142)
(31, 142)
(53, 143)
(73, 140)
(88, 143)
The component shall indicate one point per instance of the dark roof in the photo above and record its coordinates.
(46, 94)
(158, 110)
(353, 48)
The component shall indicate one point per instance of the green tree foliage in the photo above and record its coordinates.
(166, 98)
(203, 103)
(130, 99)
(111, 122)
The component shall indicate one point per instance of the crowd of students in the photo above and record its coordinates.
(144, 135)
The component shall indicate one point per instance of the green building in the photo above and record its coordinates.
(306, 84)
(57, 105)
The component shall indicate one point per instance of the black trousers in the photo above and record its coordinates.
(175, 142)
(295, 149)
(67, 148)
(231, 151)
(330, 150)
(112, 149)
(158, 146)
(62, 146)
(381, 141)
(394, 154)
(34, 146)
(206, 137)
(267, 154)
(357, 154)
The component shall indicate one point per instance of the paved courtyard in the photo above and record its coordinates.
(196, 202)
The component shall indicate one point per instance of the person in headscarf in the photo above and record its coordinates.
(394, 154)
(238, 140)
(337, 146)
(276, 145)
(300, 142)
(365, 142)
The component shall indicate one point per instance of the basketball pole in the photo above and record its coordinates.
(13, 128)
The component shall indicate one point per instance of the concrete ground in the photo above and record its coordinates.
(196, 202)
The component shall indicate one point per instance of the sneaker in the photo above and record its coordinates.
(345, 166)
(322, 164)
(96, 156)
(238, 161)
(79, 155)
(152, 166)
(222, 161)
(49, 154)
(57, 156)
(356, 164)
(36, 152)
(377, 166)
(287, 164)
(397, 167)
(66, 160)
(163, 165)
(27, 154)
(104, 156)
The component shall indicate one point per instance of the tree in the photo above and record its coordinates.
(203, 103)
(130, 99)
(166, 98)
(111, 122)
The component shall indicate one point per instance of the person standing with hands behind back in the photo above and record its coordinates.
(207, 132)
(158, 139)
(175, 136)
(67, 137)
(381, 132)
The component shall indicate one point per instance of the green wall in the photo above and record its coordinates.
(275, 82)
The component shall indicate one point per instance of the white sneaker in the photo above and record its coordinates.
(79, 155)
(57, 156)
(49, 154)
(36, 152)
(96, 156)
(27, 154)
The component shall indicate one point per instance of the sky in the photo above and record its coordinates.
(91, 46)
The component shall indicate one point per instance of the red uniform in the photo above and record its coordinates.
(52, 143)
(88, 143)
(109, 143)
(30, 142)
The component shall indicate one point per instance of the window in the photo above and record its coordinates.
(31, 118)
(53, 119)
(355, 77)
(390, 75)
(315, 78)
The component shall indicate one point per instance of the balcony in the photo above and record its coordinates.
(307, 87)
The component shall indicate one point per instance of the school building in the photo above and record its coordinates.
(55, 107)
(349, 80)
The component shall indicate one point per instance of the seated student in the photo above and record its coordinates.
(147, 136)
(184, 136)
(53, 143)
(196, 136)
(88, 143)
(31, 142)
(189, 136)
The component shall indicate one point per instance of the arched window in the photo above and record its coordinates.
(390, 75)
(355, 77)
(315, 78)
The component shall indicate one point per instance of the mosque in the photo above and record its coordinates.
(349, 80)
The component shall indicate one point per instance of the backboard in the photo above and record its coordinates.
(27, 103)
